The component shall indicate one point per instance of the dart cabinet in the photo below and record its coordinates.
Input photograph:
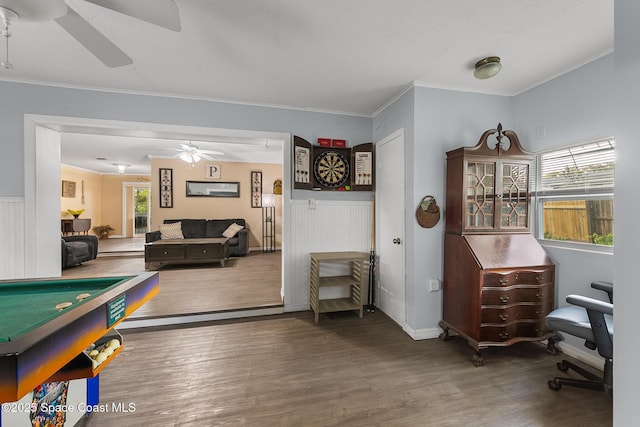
(331, 168)
(498, 281)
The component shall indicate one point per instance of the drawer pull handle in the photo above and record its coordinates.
(503, 335)
(503, 316)
(540, 279)
(165, 252)
(504, 298)
(539, 295)
(538, 312)
(204, 251)
(503, 280)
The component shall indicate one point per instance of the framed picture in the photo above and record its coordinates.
(213, 172)
(256, 189)
(213, 189)
(68, 189)
(166, 188)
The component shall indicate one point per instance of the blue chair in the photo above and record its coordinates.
(591, 320)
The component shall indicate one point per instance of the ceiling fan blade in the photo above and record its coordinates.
(206, 157)
(163, 13)
(215, 153)
(93, 40)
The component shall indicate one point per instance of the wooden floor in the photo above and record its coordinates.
(285, 370)
(252, 281)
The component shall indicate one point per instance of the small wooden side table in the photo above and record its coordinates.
(355, 281)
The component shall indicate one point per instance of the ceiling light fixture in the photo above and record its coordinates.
(121, 168)
(7, 16)
(189, 157)
(487, 67)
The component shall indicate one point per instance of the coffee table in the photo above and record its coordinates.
(186, 251)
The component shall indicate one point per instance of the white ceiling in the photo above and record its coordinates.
(348, 56)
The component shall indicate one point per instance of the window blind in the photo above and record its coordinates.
(581, 169)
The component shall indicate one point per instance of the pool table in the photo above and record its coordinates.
(40, 342)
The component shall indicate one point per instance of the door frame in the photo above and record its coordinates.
(126, 205)
(378, 202)
(42, 182)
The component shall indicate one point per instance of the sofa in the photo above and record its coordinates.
(78, 249)
(208, 228)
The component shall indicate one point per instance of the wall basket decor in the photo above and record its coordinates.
(166, 188)
(428, 212)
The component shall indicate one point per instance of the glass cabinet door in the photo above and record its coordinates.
(497, 196)
(480, 206)
(514, 197)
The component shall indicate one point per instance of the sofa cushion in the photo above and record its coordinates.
(215, 227)
(171, 231)
(80, 250)
(191, 228)
(232, 230)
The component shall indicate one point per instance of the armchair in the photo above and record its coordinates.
(77, 249)
(591, 320)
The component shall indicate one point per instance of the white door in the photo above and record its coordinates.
(389, 220)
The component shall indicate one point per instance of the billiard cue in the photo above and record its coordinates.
(371, 300)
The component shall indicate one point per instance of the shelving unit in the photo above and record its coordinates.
(355, 281)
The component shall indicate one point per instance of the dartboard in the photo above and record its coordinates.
(331, 169)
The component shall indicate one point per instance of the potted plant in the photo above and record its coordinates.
(102, 231)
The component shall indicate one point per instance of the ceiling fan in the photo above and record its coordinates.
(190, 153)
(163, 13)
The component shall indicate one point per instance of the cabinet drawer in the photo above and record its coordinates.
(535, 294)
(515, 312)
(205, 251)
(166, 252)
(515, 330)
(517, 277)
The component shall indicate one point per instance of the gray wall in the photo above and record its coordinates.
(20, 99)
(627, 234)
(445, 120)
(574, 108)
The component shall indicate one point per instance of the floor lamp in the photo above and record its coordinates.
(268, 223)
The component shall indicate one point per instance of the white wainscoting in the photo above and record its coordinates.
(12, 254)
(322, 226)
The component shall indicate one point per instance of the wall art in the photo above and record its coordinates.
(166, 188)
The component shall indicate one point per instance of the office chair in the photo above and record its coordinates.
(591, 320)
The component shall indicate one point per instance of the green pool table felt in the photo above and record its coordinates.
(25, 305)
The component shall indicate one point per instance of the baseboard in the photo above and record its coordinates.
(197, 318)
(422, 334)
(288, 308)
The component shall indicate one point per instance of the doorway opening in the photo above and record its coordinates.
(138, 210)
(43, 148)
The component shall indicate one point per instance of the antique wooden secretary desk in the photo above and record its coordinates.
(498, 281)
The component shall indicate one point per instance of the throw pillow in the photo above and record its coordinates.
(171, 231)
(232, 230)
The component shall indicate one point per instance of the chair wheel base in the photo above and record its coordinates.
(554, 385)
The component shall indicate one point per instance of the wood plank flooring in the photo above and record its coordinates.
(245, 282)
(286, 370)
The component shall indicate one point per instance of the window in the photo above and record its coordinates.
(574, 193)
